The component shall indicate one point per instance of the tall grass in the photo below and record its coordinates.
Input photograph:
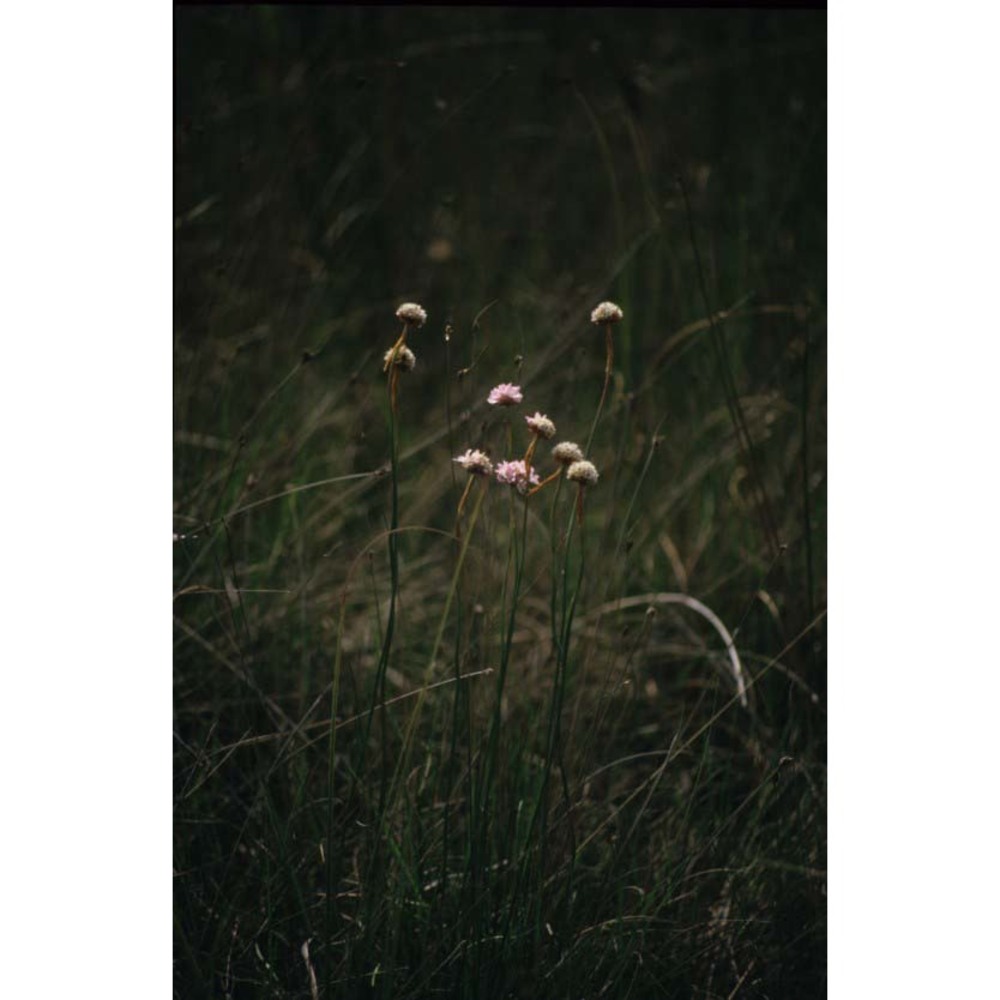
(537, 749)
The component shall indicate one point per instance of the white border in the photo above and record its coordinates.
(86, 413)
(913, 528)
(913, 499)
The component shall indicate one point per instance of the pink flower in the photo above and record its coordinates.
(513, 474)
(505, 394)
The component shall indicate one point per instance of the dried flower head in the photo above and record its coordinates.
(515, 474)
(411, 314)
(582, 472)
(405, 358)
(541, 426)
(606, 312)
(475, 462)
(567, 453)
(505, 394)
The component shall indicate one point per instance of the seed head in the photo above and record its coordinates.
(505, 394)
(606, 312)
(411, 314)
(582, 472)
(475, 462)
(541, 426)
(514, 474)
(405, 359)
(566, 453)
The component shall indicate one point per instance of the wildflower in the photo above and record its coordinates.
(405, 358)
(541, 426)
(566, 453)
(505, 394)
(582, 472)
(412, 314)
(516, 474)
(606, 312)
(475, 463)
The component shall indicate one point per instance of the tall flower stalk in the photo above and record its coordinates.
(607, 314)
(413, 317)
(398, 358)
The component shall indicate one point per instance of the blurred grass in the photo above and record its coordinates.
(507, 169)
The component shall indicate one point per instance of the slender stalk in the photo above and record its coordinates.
(528, 456)
(545, 482)
(393, 567)
(562, 625)
(378, 691)
(461, 507)
(415, 714)
(393, 369)
(507, 642)
(330, 813)
(609, 360)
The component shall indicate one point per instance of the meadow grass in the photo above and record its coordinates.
(528, 775)
(433, 741)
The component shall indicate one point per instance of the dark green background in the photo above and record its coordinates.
(330, 148)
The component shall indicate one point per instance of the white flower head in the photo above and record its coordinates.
(411, 314)
(475, 462)
(541, 426)
(566, 453)
(582, 472)
(405, 359)
(606, 312)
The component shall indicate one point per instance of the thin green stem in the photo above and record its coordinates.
(415, 714)
(608, 362)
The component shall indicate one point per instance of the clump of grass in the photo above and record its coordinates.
(472, 844)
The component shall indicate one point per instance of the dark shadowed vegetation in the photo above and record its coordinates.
(508, 754)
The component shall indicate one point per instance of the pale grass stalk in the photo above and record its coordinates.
(391, 367)
(461, 507)
(528, 456)
(608, 362)
(545, 482)
(736, 667)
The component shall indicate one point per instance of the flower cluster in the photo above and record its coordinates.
(520, 473)
(568, 456)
